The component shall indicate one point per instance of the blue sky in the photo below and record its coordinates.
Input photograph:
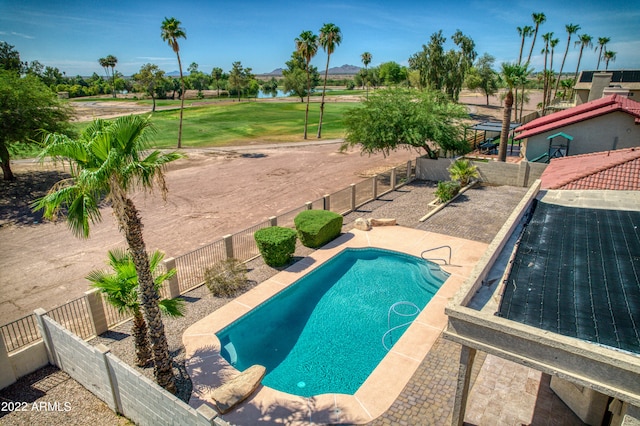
(72, 35)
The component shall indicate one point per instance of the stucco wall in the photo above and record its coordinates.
(616, 130)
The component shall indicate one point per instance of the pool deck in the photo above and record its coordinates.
(208, 370)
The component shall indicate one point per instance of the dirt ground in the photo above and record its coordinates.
(211, 193)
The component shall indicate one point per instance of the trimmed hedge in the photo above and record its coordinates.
(276, 244)
(317, 227)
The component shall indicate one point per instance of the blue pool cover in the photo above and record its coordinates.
(577, 273)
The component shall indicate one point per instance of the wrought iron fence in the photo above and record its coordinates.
(20, 332)
(74, 316)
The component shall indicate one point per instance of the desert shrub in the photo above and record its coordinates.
(447, 190)
(226, 278)
(317, 227)
(276, 244)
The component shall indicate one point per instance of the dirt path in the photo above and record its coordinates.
(211, 193)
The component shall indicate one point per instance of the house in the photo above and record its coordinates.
(558, 290)
(608, 123)
(593, 85)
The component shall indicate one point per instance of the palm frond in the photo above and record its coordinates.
(172, 307)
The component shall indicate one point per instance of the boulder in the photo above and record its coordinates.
(362, 224)
(383, 222)
(238, 389)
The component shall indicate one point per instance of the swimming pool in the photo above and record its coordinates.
(326, 332)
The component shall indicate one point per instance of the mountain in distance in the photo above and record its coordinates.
(341, 70)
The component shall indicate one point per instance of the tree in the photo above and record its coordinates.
(197, 79)
(392, 73)
(602, 47)
(458, 63)
(553, 43)
(10, 58)
(27, 106)
(545, 87)
(538, 19)
(171, 31)
(430, 62)
(524, 32)
(571, 29)
(609, 56)
(585, 41)
(307, 47)
(150, 78)
(216, 75)
(295, 76)
(111, 158)
(110, 62)
(463, 171)
(120, 287)
(395, 118)
(366, 60)
(513, 75)
(239, 78)
(483, 77)
(330, 37)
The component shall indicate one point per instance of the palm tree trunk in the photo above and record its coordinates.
(5, 162)
(131, 226)
(143, 352)
(181, 101)
(306, 114)
(555, 91)
(506, 124)
(324, 88)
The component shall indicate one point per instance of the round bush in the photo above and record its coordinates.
(317, 227)
(276, 244)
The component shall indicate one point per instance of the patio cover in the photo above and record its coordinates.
(561, 134)
(492, 126)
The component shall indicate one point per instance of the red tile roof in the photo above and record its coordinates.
(616, 170)
(579, 113)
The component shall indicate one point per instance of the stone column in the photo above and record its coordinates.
(96, 311)
(393, 179)
(228, 245)
(173, 283)
(467, 356)
(375, 186)
(273, 221)
(353, 197)
(44, 332)
(327, 202)
(308, 205)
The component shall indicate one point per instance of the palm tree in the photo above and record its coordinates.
(609, 56)
(120, 287)
(216, 74)
(513, 75)
(330, 37)
(307, 47)
(110, 158)
(585, 41)
(524, 32)
(571, 29)
(171, 31)
(463, 171)
(547, 39)
(538, 19)
(110, 62)
(366, 60)
(553, 43)
(602, 47)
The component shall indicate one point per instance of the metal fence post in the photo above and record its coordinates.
(393, 178)
(327, 202)
(96, 311)
(228, 245)
(353, 197)
(173, 283)
(273, 221)
(375, 187)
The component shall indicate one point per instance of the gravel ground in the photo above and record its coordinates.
(407, 205)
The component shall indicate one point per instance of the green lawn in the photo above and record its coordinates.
(244, 122)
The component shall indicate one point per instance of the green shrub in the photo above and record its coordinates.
(226, 278)
(447, 190)
(276, 244)
(317, 227)
(462, 170)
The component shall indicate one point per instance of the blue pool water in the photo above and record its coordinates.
(324, 333)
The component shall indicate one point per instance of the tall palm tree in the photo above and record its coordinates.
(307, 47)
(553, 43)
(585, 41)
(602, 47)
(538, 19)
(609, 56)
(524, 32)
(366, 60)
(171, 31)
(110, 61)
(513, 75)
(120, 287)
(571, 30)
(110, 158)
(330, 37)
(545, 86)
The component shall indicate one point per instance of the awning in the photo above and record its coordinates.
(492, 126)
(564, 135)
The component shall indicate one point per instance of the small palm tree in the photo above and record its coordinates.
(602, 47)
(463, 171)
(609, 56)
(330, 37)
(171, 31)
(120, 287)
(366, 60)
(513, 76)
(307, 47)
(111, 159)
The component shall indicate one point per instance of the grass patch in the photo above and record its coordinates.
(240, 123)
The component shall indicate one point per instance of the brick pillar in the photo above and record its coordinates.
(273, 221)
(44, 332)
(353, 197)
(96, 311)
(308, 205)
(114, 403)
(327, 202)
(375, 187)
(7, 375)
(173, 283)
(228, 245)
(467, 355)
(393, 178)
